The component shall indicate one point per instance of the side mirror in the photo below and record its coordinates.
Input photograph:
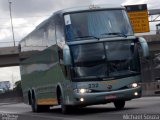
(144, 46)
(66, 55)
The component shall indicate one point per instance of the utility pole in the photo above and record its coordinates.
(10, 11)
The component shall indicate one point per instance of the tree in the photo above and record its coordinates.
(17, 86)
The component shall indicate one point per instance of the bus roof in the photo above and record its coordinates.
(90, 7)
(83, 8)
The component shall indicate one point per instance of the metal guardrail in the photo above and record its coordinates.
(150, 89)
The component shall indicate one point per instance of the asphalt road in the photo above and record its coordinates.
(147, 108)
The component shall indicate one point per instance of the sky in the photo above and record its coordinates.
(27, 14)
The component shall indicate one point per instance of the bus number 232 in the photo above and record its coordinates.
(93, 85)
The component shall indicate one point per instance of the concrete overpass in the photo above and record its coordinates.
(9, 56)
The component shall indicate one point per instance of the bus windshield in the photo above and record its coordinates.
(107, 59)
(97, 24)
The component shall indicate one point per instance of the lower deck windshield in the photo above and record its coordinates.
(107, 59)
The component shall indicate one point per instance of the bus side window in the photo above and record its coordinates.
(60, 42)
(60, 31)
(51, 38)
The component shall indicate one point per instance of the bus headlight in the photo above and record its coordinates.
(82, 91)
(133, 85)
(136, 93)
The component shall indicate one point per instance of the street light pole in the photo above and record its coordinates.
(10, 10)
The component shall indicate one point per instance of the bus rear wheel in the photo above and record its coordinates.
(35, 107)
(119, 104)
(39, 108)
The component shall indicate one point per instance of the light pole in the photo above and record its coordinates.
(10, 10)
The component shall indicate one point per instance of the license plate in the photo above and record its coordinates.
(110, 97)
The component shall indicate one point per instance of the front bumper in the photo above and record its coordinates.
(105, 97)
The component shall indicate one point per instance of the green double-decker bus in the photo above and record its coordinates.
(82, 56)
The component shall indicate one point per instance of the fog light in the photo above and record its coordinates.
(81, 99)
(136, 93)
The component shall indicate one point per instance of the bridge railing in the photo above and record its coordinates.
(8, 43)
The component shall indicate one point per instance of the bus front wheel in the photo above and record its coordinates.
(65, 108)
(119, 104)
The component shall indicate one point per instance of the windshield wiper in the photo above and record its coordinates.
(88, 37)
(92, 77)
(116, 33)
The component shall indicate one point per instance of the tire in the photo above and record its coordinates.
(29, 98)
(35, 107)
(119, 104)
(65, 108)
(39, 108)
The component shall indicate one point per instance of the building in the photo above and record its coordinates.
(5, 85)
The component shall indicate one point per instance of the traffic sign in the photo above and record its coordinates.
(138, 15)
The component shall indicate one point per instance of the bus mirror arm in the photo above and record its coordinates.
(144, 47)
(66, 55)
